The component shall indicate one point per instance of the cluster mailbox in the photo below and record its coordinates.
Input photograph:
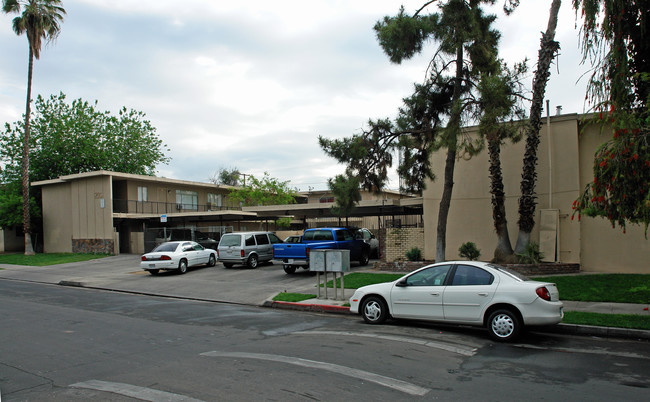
(329, 260)
(326, 261)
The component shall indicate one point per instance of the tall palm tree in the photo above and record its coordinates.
(40, 20)
(527, 202)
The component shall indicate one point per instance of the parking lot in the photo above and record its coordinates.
(238, 284)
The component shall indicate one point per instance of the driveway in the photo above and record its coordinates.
(122, 273)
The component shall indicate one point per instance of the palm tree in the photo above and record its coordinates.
(40, 19)
(527, 202)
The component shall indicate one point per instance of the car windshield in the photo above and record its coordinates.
(511, 273)
(166, 247)
(230, 240)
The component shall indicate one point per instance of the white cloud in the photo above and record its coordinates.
(250, 84)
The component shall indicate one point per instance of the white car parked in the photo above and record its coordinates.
(177, 255)
(463, 292)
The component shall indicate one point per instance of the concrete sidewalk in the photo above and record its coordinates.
(252, 287)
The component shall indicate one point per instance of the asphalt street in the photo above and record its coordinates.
(241, 285)
(62, 343)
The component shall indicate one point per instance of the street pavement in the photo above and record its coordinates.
(240, 285)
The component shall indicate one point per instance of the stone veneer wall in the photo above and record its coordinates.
(395, 242)
(93, 246)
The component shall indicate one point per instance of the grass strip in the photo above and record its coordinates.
(615, 288)
(629, 321)
(41, 259)
(293, 297)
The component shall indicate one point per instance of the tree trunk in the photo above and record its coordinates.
(452, 131)
(29, 250)
(503, 250)
(527, 201)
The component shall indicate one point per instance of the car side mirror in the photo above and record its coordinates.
(402, 283)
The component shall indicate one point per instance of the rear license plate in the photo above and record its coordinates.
(152, 265)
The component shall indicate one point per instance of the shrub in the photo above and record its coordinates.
(469, 250)
(531, 255)
(414, 254)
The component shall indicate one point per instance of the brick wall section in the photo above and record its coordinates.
(394, 243)
(93, 246)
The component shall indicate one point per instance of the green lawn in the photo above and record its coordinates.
(617, 288)
(607, 320)
(41, 259)
(293, 297)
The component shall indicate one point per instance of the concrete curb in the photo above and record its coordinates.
(569, 329)
(319, 308)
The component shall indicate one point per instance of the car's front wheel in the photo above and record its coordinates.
(213, 261)
(374, 310)
(503, 325)
(252, 261)
(182, 266)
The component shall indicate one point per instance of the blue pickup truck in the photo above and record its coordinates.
(296, 255)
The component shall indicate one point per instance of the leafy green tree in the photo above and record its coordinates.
(431, 119)
(228, 177)
(68, 138)
(264, 191)
(346, 193)
(615, 40)
(40, 20)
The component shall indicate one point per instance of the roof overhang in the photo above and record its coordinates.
(405, 206)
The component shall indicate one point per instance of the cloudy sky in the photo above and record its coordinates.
(252, 84)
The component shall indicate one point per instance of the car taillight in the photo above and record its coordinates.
(242, 253)
(165, 257)
(144, 258)
(543, 293)
(217, 253)
(307, 252)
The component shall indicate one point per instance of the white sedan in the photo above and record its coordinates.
(463, 292)
(177, 255)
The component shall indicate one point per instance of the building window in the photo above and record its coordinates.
(142, 194)
(326, 198)
(187, 200)
(215, 201)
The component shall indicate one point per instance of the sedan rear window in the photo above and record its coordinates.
(166, 247)
(510, 272)
(230, 240)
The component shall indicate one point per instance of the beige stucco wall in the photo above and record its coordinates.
(90, 218)
(57, 218)
(470, 215)
(9, 242)
(605, 249)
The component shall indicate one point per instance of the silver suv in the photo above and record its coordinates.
(249, 248)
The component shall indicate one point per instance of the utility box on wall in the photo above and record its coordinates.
(329, 260)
